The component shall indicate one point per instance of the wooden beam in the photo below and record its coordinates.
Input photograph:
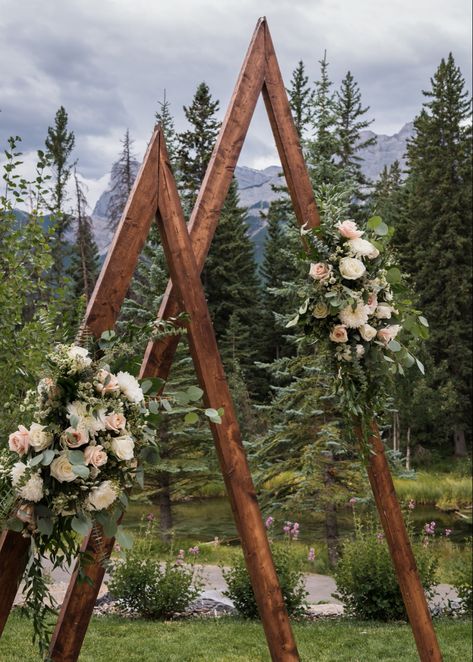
(206, 213)
(236, 473)
(13, 558)
(401, 551)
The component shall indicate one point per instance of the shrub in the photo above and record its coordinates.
(463, 579)
(365, 576)
(151, 588)
(241, 593)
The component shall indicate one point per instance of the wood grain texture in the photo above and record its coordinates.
(206, 213)
(401, 552)
(78, 604)
(128, 241)
(13, 557)
(234, 466)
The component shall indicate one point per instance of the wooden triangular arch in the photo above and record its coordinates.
(155, 195)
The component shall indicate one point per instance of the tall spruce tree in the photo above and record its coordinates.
(438, 247)
(350, 122)
(196, 144)
(163, 116)
(59, 145)
(123, 176)
(85, 260)
(301, 98)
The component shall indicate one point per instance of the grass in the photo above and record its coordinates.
(232, 640)
(446, 491)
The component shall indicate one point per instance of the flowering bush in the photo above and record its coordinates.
(355, 303)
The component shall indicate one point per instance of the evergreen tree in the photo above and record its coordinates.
(123, 176)
(196, 144)
(438, 247)
(350, 121)
(301, 98)
(231, 282)
(164, 117)
(85, 260)
(321, 146)
(59, 145)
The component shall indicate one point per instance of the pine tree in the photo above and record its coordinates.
(123, 177)
(301, 98)
(85, 260)
(321, 146)
(164, 117)
(196, 144)
(231, 282)
(438, 247)
(350, 122)
(59, 145)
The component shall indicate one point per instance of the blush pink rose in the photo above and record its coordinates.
(339, 333)
(372, 303)
(108, 382)
(319, 271)
(115, 422)
(349, 230)
(75, 438)
(388, 333)
(19, 441)
(95, 455)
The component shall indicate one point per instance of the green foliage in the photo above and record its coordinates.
(366, 580)
(153, 589)
(290, 577)
(85, 260)
(301, 98)
(123, 177)
(463, 579)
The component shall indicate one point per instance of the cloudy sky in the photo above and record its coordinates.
(109, 61)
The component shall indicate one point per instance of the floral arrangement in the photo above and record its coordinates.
(70, 465)
(357, 307)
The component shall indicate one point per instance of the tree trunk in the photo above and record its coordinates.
(331, 524)
(165, 511)
(408, 448)
(459, 443)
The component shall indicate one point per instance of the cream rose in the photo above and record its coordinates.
(360, 351)
(96, 456)
(320, 271)
(19, 441)
(102, 496)
(367, 332)
(363, 248)
(320, 310)
(339, 333)
(349, 230)
(383, 311)
(123, 447)
(115, 422)
(388, 333)
(32, 490)
(74, 438)
(61, 469)
(372, 302)
(351, 268)
(39, 437)
(108, 383)
(130, 387)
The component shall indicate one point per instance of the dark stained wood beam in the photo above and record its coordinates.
(13, 558)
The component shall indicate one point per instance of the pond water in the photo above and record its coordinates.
(204, 519)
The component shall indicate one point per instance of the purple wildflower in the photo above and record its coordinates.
(150, 517)
(448, 532)
(311, 554)
(194, 550)
(287, 527)
(352, 501)
(269, 522)
(294, 532)
(380, 536)
(411, 505)
(429, 529)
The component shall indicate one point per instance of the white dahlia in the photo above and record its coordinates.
(353, 318)
(130, 387)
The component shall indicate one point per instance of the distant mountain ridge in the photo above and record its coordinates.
(255, 186)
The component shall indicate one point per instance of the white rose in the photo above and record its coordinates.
(61, 469)
(123, 447)
(320, 310)
(16, 473)
(32, 490)
(39, 438)
(383, 311)
(130, 387)
(360, 351)
(80, 357)
(351, 268)
(362, 248)
(102, 496)
(367, 332)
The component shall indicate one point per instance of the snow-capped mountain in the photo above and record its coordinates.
(255, 186)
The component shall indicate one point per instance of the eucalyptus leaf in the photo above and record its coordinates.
(36, 460)
(81, 470)
(393, 276)
(374, 221)
(166, 404)
(191, 418)
(74, 421)
(146, 385)
(76, 457)
(292, 322)
(381, 229)
(81, 524)
(45, 526)
(181, 398)
(195, 393)
(153, 407)
(420, 365)
(48, 457)
(423, 320)
(394, 346)
(123, 539)
(14, 524)
(303, 307)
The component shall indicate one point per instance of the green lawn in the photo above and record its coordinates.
(230, 640)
